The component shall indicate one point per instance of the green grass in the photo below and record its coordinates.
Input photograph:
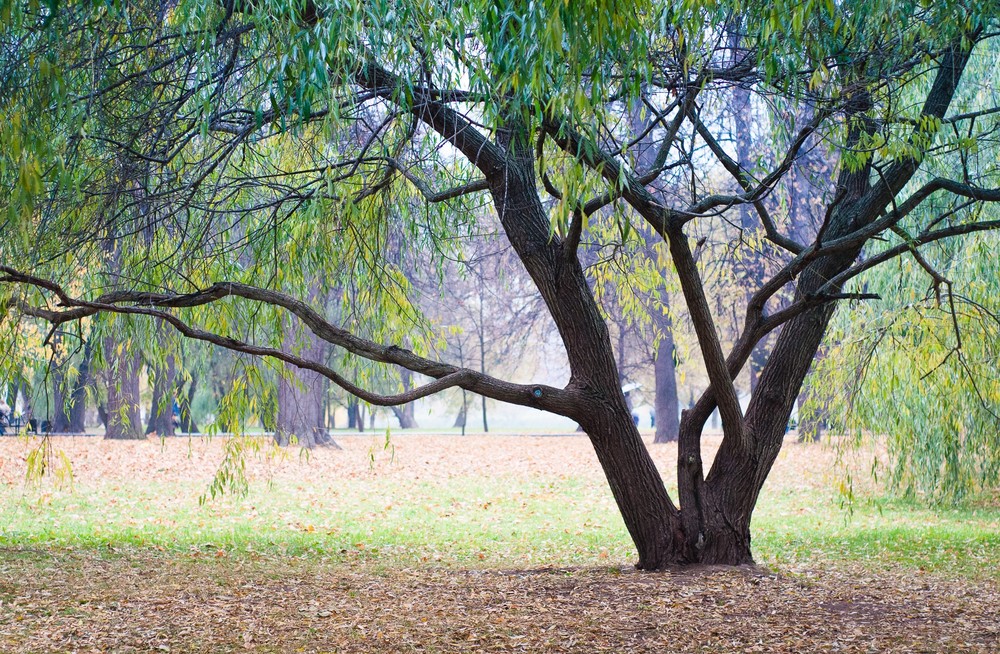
(508, 521)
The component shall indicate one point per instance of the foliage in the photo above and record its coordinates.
(920, 373)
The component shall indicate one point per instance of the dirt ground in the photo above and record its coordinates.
(151, 601)
(85, 604)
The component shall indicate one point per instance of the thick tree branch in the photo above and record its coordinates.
(560, 401)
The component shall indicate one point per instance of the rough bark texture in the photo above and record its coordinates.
(122, 378)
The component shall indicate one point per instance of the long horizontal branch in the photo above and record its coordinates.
(436, 386)
(560, 401)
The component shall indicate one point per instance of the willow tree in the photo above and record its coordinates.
(231, 154)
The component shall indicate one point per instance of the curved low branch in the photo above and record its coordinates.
(555, 400)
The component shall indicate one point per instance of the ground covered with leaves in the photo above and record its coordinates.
(147, 603)
(439, 544)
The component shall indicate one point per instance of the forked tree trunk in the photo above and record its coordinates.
(648, 513)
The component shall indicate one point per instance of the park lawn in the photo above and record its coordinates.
(441, 530)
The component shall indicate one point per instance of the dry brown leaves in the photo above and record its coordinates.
(408, 457)
(80, 603)
(147, 601)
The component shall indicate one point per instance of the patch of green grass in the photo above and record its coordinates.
(955, 542)
(512, 521)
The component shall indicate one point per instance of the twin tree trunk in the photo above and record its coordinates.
(712, 525)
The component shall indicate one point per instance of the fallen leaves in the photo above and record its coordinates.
(147, 602)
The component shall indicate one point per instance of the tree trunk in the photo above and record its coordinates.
(161, 411)
(186, 400)
(353, 417)
(78, 399)
(463, 412)
(300, 395)
(666, 407)
(404, 413)
(649, 514)
(482, 358)
(60, 415)
(122, 379)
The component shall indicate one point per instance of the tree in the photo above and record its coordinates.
(499, 100)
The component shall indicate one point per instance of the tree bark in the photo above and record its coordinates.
(161, 410)
(122, 379)
(666, 407)
(300, 395)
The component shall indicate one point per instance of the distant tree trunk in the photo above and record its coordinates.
(482, 356)
(78, 398)
(300, 395)
(161, 412)
(404, 414)
(463, 412)
(59, 422)
(355, 419)
(122, 379)
(12, 390)
(187, 423)
(666, 406)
